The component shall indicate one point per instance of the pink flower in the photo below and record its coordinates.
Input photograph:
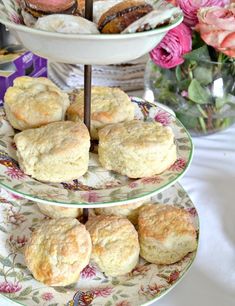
(91, 196)
(192, 211)
(47, 296)
(123, 303)
(8, 287)
(184, 93)
(133, 185)
(88, 272)
(102, 292)
(13, 144)
(16, 19)
(16, 218)
(163, 118)
(15, 173)
(173, 277)
(169, 53)
(217, 28)
(191, 7)
(151, 180)
(178, 165)
(150, 290)
(18, 242)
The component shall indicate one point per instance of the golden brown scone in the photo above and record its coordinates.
(166, 233)
(121, 15)
(108, 105)
(136, 148)
(129, 211)
(56, 152)
(56, 212)
(33, 102)
(58, 251)
(115, 245)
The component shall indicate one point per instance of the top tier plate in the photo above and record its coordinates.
(88, 49)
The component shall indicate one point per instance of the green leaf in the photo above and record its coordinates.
(36, 299)
(2, 272)
(178, 73)
(159, 196)
(2, 143)
(6, 262)
(54, 304)
(203, 74)
(197, 93)
(2, 229)
(182, 140)
(115, 298)
(198, 54)
(184, 148)
(124, 295)
(20, 266)
(190, 122)
(36, 293)
(128, 284)
(181, 193)
(26, 291)
(109, 303)
(60, 289)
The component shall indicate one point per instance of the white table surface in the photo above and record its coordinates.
(211, 184)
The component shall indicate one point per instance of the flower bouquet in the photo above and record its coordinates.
(193, 69)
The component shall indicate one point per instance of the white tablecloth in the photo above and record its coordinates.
(211, 184)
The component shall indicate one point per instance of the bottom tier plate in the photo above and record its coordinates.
(144, 285)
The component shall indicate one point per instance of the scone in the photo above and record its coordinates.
(56, 212)
(33, 102)
(108, 105)
(56, 152)
(115, 245)
(121, 15)
(136, 148)
(166, 233)
(129, 211)
(58, 251)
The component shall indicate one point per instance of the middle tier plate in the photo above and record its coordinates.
(98, 187)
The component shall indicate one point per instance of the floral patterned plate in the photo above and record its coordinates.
(98, 186)
(144, 285)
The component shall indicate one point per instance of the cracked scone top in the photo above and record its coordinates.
(115, 245)
(56, 152)
(33, 102)
(108, 105)
(166, 233)
(58, 251)
(137, 148)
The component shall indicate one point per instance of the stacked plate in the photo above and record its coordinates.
(128, 76)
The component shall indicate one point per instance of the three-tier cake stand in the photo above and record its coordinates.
(98, 188)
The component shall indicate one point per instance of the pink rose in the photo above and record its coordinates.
(217, 28)
(191, 7)
(169, 53)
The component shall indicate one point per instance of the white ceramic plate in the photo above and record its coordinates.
(144, 285)
(98, 186)
(90, 49)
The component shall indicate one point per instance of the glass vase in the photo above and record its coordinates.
(201, 93)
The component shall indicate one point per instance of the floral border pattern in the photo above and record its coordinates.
(147, 282)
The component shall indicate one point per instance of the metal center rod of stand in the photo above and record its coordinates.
(87, 88)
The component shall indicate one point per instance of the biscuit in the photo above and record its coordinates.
(137, 148)
(58, 251)
(121, 15)
(108, 105)
(115, 245)
(56, 152)
(129, 211)
(56, 212)
(166, 233)
(33, 102)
